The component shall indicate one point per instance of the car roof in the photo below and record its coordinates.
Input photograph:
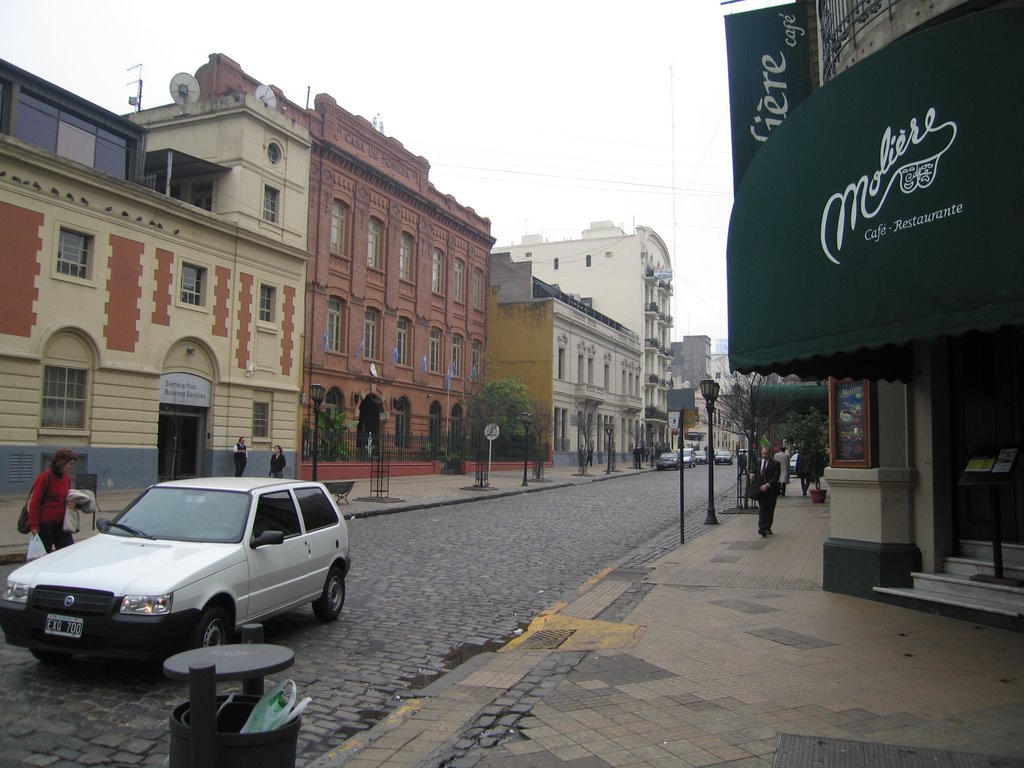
(247, 484)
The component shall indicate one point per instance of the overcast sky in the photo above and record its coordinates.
(542, 116)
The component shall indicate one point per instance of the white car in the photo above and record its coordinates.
(183, 566)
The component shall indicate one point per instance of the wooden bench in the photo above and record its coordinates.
(340, 488)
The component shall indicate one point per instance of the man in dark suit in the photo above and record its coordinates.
(765, 474)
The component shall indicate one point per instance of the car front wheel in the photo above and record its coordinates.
(213, 628)
(328, 605)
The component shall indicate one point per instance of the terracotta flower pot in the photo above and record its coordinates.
(818, 495)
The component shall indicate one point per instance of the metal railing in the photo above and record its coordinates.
(840, 21)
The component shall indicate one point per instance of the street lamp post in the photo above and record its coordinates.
(609, 430)
(709, 390)
(526, 443)
(316, 393)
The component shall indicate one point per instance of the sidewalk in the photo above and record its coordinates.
(723, 651)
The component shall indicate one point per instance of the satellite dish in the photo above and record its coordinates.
(266, 94)
(184, 90)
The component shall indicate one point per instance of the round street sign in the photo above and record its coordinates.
(491, 431)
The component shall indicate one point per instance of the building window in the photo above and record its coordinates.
(579, 369)
(335, 401)
(556, 263)
(261, 419)
(588, 259)
(607, 376)
(63, 397)
(456, 425)
(370, 334)
(193, 285)
(373, 243)
(402, 342)
(201, 195)
(476, 360)
(405, 257)
(401, 410)
(437, 272)
(274, 153)
(561, 363)
(457, 279)
(44, 125)
(478, 289)
(339, 227)
(456, 355)
(335, 318)
(267, 295)
(435, 350)
(590, 371)
(73, 254)
(271, 200)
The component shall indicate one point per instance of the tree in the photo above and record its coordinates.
(809, 433)
(500, 401)
(541, 425)
(585, 421)
(756, 405)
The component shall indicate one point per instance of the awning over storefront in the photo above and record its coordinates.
(888, 207)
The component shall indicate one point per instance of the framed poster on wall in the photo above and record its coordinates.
(851, 423)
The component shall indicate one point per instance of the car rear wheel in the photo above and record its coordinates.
(328, 605)
(213, 628)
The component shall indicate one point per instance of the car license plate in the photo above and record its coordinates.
(64, 626)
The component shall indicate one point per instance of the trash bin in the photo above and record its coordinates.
(266, 749)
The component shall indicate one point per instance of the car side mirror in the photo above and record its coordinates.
(267, 537)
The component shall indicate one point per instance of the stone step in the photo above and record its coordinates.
(980, 600)
(969, 566)
(1013, 552)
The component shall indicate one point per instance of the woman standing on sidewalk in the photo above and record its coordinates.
(48, 500)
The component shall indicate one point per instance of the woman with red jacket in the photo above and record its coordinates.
(47, 502)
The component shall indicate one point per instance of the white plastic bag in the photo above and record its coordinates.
(35, 547)
(272, 710)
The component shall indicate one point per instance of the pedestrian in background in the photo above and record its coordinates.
(782, 456)
(590, 456)
(765, 474)
(277, 462)
(48, 501)
(241, 456)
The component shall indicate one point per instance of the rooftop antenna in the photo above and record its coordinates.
(136, 100)
(184, 90)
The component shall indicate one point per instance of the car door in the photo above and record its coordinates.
(326, 538)
(278, 573)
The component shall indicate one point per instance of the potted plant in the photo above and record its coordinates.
(809, 433)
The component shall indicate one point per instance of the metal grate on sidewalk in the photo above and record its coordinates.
(817, 752)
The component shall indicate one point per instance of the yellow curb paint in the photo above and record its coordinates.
(589, 635)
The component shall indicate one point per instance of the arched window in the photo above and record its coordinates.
(434, 422)
(456, 426)
(334, 401)
(401, 408)
(374, 243)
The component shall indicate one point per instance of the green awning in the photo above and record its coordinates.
(887, 208)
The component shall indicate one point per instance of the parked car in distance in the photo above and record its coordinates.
(792, 463)
(701, 455)
(667, 460)
(183, 566)
(689, 459)
(723, 457)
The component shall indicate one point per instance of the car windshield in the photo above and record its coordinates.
(668, 457)
(186, 514)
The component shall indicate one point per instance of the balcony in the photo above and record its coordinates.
(649, 275)
(651, 343)
(652, 309)
(652, 378)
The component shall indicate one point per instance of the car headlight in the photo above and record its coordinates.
(16, 591)
(146, 605)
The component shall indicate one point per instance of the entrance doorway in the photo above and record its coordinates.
(180, 441)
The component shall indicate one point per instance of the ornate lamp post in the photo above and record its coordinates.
(609, 430)
(526, 443)
(709, 391)
(316, 394)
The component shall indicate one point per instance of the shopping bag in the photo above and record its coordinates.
(273, 710)
(71, 520)
(35, 547)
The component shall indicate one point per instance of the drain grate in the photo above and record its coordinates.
(818, 752)
(547, 639)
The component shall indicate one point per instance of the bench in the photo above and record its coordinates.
(340, 489)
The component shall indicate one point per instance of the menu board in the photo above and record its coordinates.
(990, 464)
(851, 432)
